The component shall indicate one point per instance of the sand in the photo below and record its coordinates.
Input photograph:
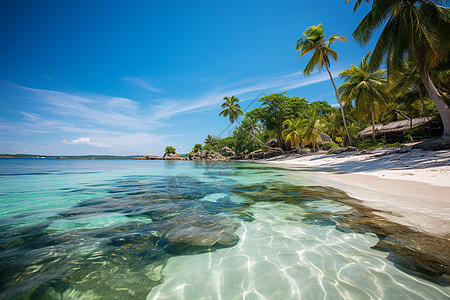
(411, 188)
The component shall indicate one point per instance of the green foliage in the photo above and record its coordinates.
(231, 109)
(277, 108)
(367, 88)
(293, 134)
(170, 149)
(322, 108)
(197, 148)
(370, 144)
(314, 41)
(330, 146)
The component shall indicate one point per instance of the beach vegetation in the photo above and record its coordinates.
(314, 41)
(197, 148)
(413, 30)
(367, 88)
(169, 149)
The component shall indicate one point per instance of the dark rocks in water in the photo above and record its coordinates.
(422, 254)
(279, 191)
(200, 229)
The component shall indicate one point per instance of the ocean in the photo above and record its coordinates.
(133, 229)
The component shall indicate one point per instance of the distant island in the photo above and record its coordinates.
(67, 157)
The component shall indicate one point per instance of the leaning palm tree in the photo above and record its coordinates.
(368, 89)
(314, 40)
(294, 131)
(416, 29)
(232, 110)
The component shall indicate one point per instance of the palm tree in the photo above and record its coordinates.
(314, 40)
(417, 29)
(367, 88)
(232, 110)
(293, 133)
(311, 130)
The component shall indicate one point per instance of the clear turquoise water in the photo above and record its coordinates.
(113, 229)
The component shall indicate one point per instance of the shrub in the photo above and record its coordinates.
(330, 146)
(170, 149)
(197, 148)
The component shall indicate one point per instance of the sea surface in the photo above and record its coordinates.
(132, 229)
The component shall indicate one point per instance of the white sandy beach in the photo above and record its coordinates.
(410, 188)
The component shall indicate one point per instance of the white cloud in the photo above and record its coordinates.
(267, 84)
(124, 103)
(142, 83)
(83, 140)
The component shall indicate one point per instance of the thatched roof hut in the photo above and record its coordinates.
(325, 138)
(226, 150)
(397, 126)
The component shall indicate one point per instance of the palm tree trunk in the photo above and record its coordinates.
(373, 123)
(340, 104)
(441, 105)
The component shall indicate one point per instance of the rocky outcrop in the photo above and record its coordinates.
(172, 156)
(208, 155)
(150, 157)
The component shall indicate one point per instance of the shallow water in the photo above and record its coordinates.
(111, 229)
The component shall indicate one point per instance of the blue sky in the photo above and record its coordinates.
(131, 77)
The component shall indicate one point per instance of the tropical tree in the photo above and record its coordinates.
(311, 130)
(197, 148)
(314, 41)
(367, 88)
(275, 109)
(170, 149)
(414, 29)
(232, 110)
(294, 131)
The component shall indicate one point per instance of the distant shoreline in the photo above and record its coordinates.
(35, 156)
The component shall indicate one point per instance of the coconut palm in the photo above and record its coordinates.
(294, 131)
(367, 88)
(314, 41)
(311, 130)
(416, 29)
(232, 110)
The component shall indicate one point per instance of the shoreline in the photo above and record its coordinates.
(410, 189)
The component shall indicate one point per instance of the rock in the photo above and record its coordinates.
(304, 151)
(151, 156)
(172, 156)
(272, 143)
(434, 145)
(404, 149)
(208, 155)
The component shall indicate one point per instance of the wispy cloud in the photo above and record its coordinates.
(267, 84)
(122, 103)
(142, 83)
(87, 141)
